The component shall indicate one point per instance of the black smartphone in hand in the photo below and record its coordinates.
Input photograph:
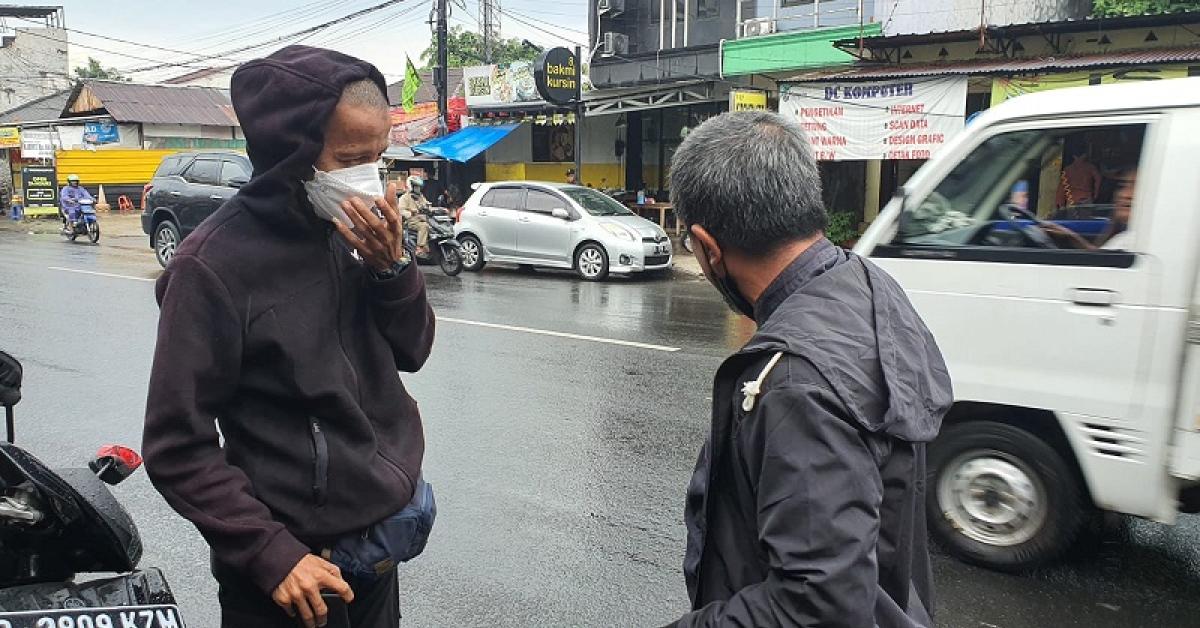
(339, 615)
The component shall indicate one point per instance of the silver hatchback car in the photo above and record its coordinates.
(558, 226)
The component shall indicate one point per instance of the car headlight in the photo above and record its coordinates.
(619, 231)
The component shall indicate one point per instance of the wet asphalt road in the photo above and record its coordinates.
(560, 463)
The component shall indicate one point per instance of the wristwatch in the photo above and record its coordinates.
(392, 271)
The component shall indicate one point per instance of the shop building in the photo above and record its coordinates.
(876, 138)
(114, 133)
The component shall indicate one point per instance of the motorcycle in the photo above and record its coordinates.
(55, 525)
(444, 249)
(85, 223)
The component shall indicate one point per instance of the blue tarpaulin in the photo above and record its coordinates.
(464, 144)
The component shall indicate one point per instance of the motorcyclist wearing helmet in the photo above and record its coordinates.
(70, 198)
(415, 209)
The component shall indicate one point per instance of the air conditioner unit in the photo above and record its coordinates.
(611, 8)
(614, 44)
(758, 26)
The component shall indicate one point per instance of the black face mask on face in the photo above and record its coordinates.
(729, 291)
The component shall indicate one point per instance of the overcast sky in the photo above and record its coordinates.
(214, 26)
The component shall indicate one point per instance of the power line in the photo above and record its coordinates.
(540, 29)
(125, 41)
(306, 31)
(550, 24)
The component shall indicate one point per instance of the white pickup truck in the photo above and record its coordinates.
(1053, 249)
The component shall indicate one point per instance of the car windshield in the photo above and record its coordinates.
(596, 203)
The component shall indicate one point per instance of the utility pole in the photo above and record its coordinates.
(440, 72)
(579, 111)
(489, 12)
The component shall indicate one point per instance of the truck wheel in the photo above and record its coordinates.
(1001, 497)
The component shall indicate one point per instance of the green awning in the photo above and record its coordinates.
(792, 50)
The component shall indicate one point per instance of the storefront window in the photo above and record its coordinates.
(553, 143)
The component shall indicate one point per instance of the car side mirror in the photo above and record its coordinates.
(237, 182)
(561, 214)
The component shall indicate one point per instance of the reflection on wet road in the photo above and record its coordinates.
(560, 460)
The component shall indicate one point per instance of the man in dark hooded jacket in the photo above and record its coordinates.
(285, 317)
(806, 506)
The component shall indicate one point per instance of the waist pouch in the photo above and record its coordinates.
(375, 552)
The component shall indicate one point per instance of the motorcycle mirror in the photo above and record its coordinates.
(114, 463)
(11, 375)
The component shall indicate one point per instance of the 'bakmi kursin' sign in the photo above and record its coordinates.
(557, 76)
(902, 119)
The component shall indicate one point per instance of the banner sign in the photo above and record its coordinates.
(747, 100)
(1005, 88)
(101, 133)
(904, 119)
(10, 137)
(39, 185)
(37, 145)
(556, 76)
(489, 85)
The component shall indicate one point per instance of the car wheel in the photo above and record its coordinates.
(471, 250)
(1001, 497)
(166, 241)
(591, 262)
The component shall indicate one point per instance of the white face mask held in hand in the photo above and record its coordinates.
(327, 190)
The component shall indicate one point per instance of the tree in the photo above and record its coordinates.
(93, 70)
(1117, 8)
(466, 48)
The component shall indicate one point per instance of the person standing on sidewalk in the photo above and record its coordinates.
(286, 319)
(807, 504)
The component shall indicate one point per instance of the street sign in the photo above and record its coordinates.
(40, 187)
(557, 76)
(747, 100)
(10, 137)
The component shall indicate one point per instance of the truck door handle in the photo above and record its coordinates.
(1096, 297)
(176, 193)
(217, 197)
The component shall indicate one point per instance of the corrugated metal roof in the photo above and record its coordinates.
(864, 71)
(158, 104)
(1088, 24)
(44, 108)
(427, 92)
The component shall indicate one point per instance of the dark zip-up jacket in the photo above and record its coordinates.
(273, 331)
(807, 509)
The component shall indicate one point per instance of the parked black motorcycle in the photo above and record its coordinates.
(57, 525)
(444, 249)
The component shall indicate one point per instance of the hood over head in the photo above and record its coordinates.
(283, 103)
(857, 326)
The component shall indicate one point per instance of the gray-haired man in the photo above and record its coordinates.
(806, 507)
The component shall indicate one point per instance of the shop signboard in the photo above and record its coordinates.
(902, 119)
(10, 137)
(556, 76)
(1005, 88)
(491, 85)
(101, 133)
(37, 145)
(40, 188)
(747, 100)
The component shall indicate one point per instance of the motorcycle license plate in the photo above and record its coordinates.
(159, 616)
